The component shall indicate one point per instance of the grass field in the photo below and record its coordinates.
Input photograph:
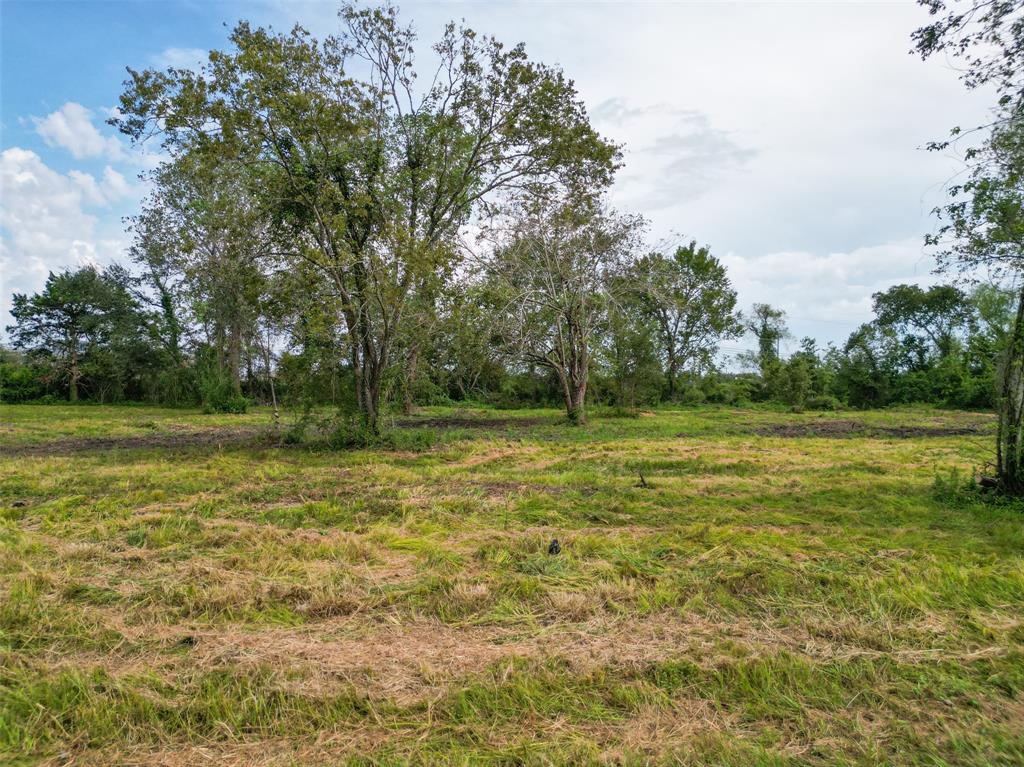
(786, 589)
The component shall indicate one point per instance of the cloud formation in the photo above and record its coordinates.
(179, 58)
(677, 155)
(47, 224)
(71, 128)
(826, 295)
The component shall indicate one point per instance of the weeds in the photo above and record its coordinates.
(731, 587)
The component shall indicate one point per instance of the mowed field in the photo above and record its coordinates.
(787, 589)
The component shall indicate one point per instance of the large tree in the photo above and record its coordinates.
(689, 296)
(369, 173)
(937, 313)
(553, 269)
(982, 226)
(768, 325)
(206, 222)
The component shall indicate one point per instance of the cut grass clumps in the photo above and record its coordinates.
(781, 589)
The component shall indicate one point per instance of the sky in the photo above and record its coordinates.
(788, 136)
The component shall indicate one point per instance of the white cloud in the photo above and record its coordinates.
(115, 186)
(71, 128)
(86, 182)
(45, 224)
(827, 295)
(111, 188)
(676, 155)
(180, 58)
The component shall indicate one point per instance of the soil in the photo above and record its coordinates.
(839, 429)
(171, 441)
(460, 422)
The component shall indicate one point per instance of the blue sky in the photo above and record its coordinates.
(785, 135)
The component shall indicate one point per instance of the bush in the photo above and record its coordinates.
(19, 383)
(823, 402)
(692, 395)
(955, 489)
(218, 395)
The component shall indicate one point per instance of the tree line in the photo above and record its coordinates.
(337, 223)
(559, 327)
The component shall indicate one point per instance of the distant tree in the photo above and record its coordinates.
(553, 273)
(768, 326)
(939, 313)
(993, 308)
(689, 296)
(204, 223)
(629, 349)
(158, 251)
(864, 366)
(803, 375)
(81, 320)
(466, 360)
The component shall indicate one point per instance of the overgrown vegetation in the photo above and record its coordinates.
(307, 242)
(781, 589)
(514, 512)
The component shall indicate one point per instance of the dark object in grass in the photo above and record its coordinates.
(19, 504)
(643, 482)
(188, 641)
(988, 483)
(554, 547)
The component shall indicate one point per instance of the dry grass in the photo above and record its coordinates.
(775, 595)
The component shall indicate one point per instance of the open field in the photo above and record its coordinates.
(787, 589)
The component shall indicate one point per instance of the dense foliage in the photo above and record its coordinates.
(87, 332)
(329, 230)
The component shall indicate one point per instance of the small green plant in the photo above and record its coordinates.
(955, 488)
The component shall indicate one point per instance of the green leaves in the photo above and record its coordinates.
(369, 179)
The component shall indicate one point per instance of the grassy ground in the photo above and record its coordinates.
(787, 589)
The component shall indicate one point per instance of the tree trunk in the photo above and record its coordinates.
(409, 379)
(270, 380)
(672, 372)
(577, 401)
(235, 357)
(563, 380)
(371, 402)
(574, 390)
(1010, 406)
(218, 340)
(75, 373)
(368, 384)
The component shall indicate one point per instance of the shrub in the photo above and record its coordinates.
(822, 402)
(218, 395)
(692, 395)
(19, 383)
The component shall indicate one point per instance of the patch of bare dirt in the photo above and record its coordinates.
(463, 422)
(178, 440)
(839, 429)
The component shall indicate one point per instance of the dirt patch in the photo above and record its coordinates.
(180, 440)
(461, 422)
(840, 429)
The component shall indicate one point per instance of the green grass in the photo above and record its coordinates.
(788, 589)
